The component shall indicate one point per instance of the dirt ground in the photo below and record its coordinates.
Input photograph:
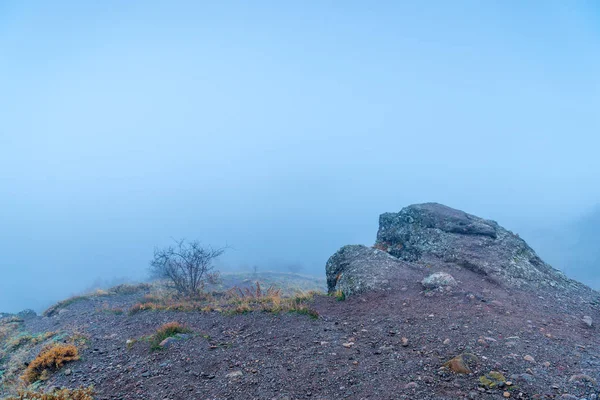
(388, 345)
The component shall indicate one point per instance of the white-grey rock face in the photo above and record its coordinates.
(433, 237)
(439, 280)
(434, 232)
(355, 269)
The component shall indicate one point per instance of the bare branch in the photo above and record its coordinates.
(187, 266)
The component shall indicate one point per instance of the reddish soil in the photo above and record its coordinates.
(293, 356)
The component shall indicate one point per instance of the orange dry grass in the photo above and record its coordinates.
(256, 294)
(62, 394)
(50, 359)
(167, 330)
(166, 306)
(171, 303)
(234, 301)
(271, 300)
(170, 329)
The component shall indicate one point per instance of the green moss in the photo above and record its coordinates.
(487, 383)
(497, 376)
(491, 380)
(306, 311)
(339, 295)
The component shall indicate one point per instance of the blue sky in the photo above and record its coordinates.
(283, 129)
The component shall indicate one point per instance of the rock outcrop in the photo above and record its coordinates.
(433, 233)
(447, 240)
(355, 269)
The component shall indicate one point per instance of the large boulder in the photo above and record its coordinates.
(355, 269)
(432, 233)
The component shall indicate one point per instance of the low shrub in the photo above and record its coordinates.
(50, 359)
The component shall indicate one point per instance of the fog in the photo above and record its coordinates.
(282, 130)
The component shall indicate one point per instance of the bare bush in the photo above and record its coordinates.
(187, 266)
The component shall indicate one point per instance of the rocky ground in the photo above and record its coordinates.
(380, 345)
(446, 305)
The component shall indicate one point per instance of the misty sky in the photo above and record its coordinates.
(280, 128)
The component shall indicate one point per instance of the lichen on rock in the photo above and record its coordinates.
(492, 379)
(439, 280)
(448, 240)
(355, 269)
(436, 233)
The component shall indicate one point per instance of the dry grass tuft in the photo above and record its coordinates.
(256, 293)
(27, 339)
(49, 360)
(8, 326)
(271, 300)
(127, 289)
(339, 295)
(170, 302)
(59, 394)
(16, 346)
(64, 303)
(166, 331)
(124, 289)
(107, 309)
(234, 301)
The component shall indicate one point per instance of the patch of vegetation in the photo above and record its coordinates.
(170, 302)
(129, 289)
(58, 394)
(124, 289)
(16, 346)
(50, 359)
(288, 283)
(65, 303)
(305, 310)
(234, 301)
(25, 338)
(271, 300)
(77, 338)
(106, 309)
(240, 309)
(8, 326)
(492, 380)
(339, 295)
(168, 330)
(186, 266)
